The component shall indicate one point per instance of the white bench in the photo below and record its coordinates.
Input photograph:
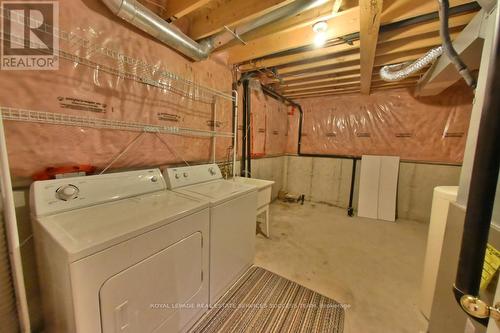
(263, 197)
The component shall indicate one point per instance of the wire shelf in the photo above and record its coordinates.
(41, 117)
(82, 51)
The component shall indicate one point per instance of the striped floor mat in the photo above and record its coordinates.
(263, 302)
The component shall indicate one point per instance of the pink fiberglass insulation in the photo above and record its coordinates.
(293, 131)
(71, 89)
(390, 122)
(269, 125)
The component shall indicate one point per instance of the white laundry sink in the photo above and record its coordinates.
(263, 196)
(263, 186)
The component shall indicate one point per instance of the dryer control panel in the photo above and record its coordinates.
(59, 195)
(190, 175)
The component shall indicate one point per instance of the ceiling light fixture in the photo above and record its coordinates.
(320, 29)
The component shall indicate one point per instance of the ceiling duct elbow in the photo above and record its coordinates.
(141, 17)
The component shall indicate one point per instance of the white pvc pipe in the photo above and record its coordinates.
(235, 133)
(13, 236)
(214, 128)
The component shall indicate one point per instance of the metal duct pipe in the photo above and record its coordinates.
(146, 20)
(399, 72)
(143, 18)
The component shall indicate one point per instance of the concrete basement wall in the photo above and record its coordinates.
(328, 180)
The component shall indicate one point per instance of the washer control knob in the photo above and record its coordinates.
(154, 179)
(177, 176)
(67, 192)
(185, 174)
(212, 171)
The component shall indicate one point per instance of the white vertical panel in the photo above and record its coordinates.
(369, 186)
(388, 187)
(8, 312)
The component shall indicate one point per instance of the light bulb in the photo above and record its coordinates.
(320, 39)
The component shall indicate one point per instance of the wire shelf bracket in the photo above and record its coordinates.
(31, 116)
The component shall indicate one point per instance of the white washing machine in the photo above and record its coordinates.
(119, 253)
(233, 209)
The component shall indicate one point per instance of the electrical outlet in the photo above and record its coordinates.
(469, 326)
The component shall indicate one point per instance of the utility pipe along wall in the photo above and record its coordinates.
(482, 190)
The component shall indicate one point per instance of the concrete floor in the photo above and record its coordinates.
(372, 266)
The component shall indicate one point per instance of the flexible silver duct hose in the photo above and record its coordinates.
(401, 71)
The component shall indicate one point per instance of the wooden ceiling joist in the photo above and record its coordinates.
(400, 48)
(369, 12)
(396, 58)
(336, 6)
(321, 80)
(414, 32)
(208, 21)
(458, 21)
(326, 86)
(375, 79)
(377, 32)
(398, 10)
(325, 91)
(342, 59)
(345, 22)
(297, 57)
(316, 74)
(179, 8)
(349, 90)
(340, 79)
(412, 43)
(307, 18)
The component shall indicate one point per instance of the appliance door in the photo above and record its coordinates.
(113, 289)
(232, 242)
(157, 294)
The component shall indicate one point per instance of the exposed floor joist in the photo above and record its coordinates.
(422, 28)
(410, 84)
(345, 23)
(362, 36)
(370, 11)
(456, 23)
(302, 56)
(354, 74)
(354, 87)
(179, 8)
(289, 24)
(230, 13)
(355, 82)
(400, 48)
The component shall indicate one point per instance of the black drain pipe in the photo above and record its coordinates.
(246, 143)
(248, 107)
(481, 199)
(350, 208)
(243, 164)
